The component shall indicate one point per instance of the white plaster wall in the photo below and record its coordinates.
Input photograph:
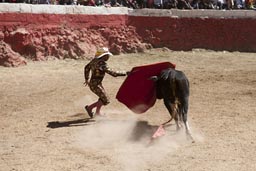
(75, 9)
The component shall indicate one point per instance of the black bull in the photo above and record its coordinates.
(173, 87)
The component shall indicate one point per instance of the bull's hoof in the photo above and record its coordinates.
(189, 137)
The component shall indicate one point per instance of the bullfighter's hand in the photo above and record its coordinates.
(128, 72)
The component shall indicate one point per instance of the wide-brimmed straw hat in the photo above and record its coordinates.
(101, 52)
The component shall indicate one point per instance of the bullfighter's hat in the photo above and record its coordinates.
(102, 51)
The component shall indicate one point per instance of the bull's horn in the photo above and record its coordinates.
(153, 78)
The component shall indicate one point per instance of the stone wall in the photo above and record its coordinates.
(40, 32)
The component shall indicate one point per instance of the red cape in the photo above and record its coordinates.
(137, 92)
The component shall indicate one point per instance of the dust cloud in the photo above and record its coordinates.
(80, 103)
(130, 140)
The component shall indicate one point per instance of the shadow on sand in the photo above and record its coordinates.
(70, 123)
(143, 129)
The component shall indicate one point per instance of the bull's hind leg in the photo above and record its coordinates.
(172, 109)
(176, 116)
(188, 132)
(167, 104)
(184, 112)
(167, 121)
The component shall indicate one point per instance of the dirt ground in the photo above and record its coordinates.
(44, 127)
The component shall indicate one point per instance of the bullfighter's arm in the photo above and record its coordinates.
(110, 71)
(86, 73)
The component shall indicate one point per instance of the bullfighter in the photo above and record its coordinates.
(98, 67)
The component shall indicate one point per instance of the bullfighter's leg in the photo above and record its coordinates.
(103, 98)
(93, 105)
(98, 107)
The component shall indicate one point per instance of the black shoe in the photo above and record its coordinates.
(89, 113)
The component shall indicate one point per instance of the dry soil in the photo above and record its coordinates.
(44, 127)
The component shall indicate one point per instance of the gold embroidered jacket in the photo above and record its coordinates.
(98, 68)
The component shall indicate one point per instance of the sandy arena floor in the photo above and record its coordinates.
(43, 126)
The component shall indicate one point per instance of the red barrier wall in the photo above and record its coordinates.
(43, 36)
(73, 20)
(188, 33)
